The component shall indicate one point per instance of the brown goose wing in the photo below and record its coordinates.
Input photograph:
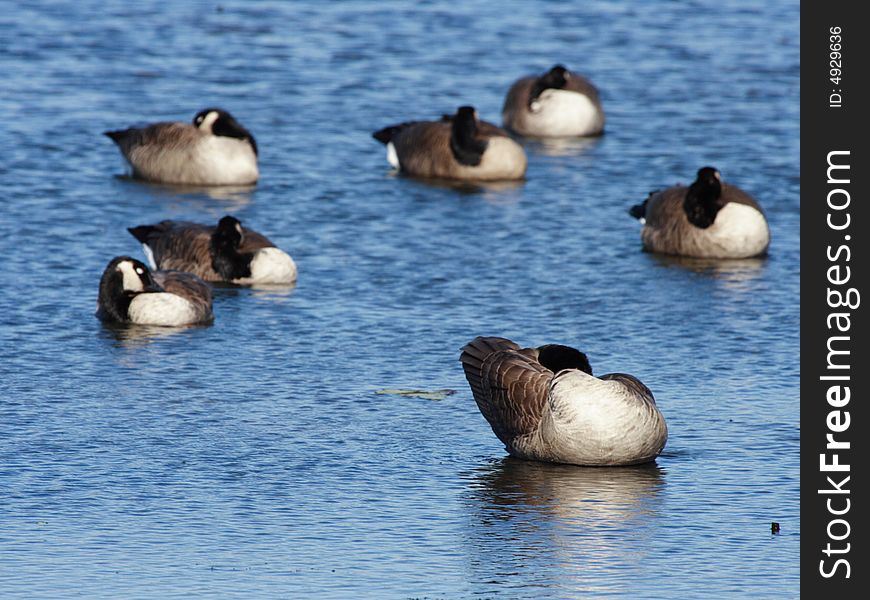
(424, 148)
(386, 135)
(732, 193)
(578, 83)
(253, 241)
(171, 135)
(509, 385)
(665, 207)
(190, 287)
(486, 129)
(179, 245)
(475, 353)
(517, 98)
(167, 135)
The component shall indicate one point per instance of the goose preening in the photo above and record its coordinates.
(227, 252)
(708, 219)
(131, 293)
(458, 146)
(214, 150)
(544, 404)
(557, 103)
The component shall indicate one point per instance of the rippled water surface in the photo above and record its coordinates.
(255, 457)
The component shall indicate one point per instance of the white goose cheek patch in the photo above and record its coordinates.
(132, 281)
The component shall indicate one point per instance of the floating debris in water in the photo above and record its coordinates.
(432, 395)
(774, 527)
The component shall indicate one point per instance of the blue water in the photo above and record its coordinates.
(255, 457)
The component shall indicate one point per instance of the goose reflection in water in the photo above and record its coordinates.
(564, 525)
(132, 336)
(733, 273)
(232, 198)
(567, 146)
(277, 292)
(581, 495)
(490, 190)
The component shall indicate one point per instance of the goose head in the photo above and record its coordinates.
(123, 279)
(217, 121)
(555, 78)
(557, 357)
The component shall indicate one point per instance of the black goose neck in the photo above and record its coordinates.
(704, 198)
(467, 148)
(114, 299)
(557, 357)
(226, 259)
(553, 79)
(226, 125)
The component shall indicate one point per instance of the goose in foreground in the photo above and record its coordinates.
(708, 219)
(556, 104)
(226, 252)
(544, 404)
(214, 150)
(130, 293)
(459, 146)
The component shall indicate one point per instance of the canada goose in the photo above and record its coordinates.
(555, 104)
(214, 150)
(459, 146)
(226, 252)
(130, 293)
(709, 219)
(544, 404)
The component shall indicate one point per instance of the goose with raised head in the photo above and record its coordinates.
(558, 103)
(226, 252)
(544, 404)
(131, 293)
(214, 150)
(458, 146)
(708, 219)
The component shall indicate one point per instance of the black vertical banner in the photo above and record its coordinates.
(835, 365)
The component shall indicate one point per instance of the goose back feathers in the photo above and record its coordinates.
(215, 150)
(708, 219)
(557, 103)
(545, 404)
(458, 146)
(130, 293)
(227, 252)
